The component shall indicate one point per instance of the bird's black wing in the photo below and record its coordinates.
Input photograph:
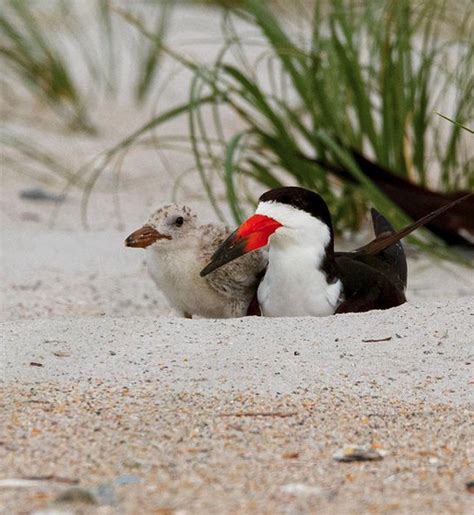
(366, 286)
(385, 253)
(390, 260)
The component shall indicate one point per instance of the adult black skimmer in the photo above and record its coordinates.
(305, 276)
(177, 247)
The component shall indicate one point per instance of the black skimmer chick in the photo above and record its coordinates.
(305, 276)
(177, 247)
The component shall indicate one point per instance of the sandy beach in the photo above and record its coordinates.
(109, 403)
(106, 394)
(139, 448)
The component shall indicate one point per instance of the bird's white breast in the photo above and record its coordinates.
(175, 270)
(294, 284)
(176, 273)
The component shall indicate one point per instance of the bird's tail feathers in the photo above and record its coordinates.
(384, 241)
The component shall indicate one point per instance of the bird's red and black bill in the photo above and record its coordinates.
(144, 237)
(252, 235)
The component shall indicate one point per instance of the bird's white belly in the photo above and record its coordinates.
(177, 276)
(290, 290)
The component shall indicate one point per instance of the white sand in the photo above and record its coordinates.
(192, 409)
(81, 305)
(424, 353)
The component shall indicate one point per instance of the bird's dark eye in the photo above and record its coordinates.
(179, 221)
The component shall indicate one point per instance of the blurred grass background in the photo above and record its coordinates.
(307, 81)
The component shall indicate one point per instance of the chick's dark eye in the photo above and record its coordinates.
(179, 221)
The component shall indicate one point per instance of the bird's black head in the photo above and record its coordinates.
(289, 216)
(300, 198)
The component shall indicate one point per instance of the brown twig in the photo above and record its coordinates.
(280, 414)
(53, 477)
(378, 340)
